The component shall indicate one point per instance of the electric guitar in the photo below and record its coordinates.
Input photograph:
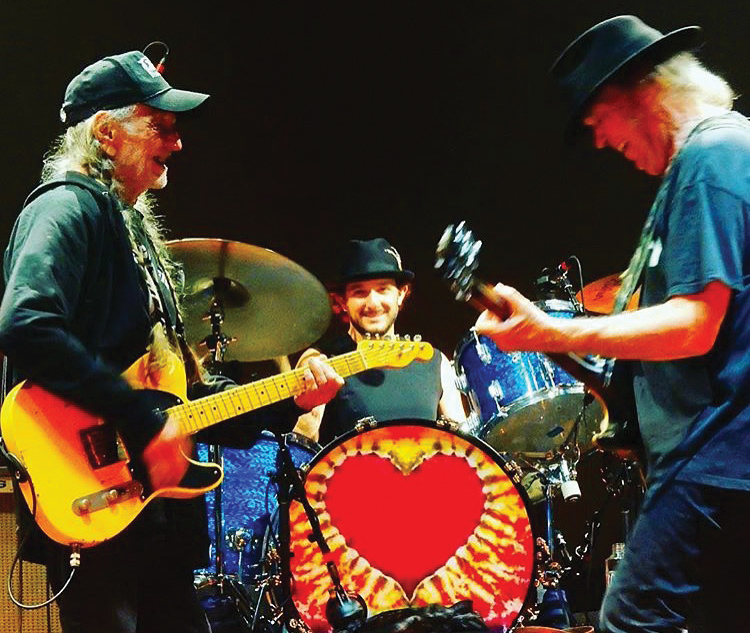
(77, 477)
(457, 259)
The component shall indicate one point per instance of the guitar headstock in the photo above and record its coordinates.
(394, 351)
(457, 258)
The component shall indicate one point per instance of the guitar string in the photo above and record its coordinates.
(197, 415)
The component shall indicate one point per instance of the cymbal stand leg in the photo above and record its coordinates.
(215, 455)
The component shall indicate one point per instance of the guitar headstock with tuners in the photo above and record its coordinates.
(457, 259)
(394, 351)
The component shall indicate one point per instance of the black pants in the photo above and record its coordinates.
(134, 583)
(685, 565)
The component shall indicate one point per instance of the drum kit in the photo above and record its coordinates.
(392, 517)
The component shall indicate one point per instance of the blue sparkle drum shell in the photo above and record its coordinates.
(248, 500)
(522, 402)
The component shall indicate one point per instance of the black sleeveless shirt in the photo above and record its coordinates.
(404, 393)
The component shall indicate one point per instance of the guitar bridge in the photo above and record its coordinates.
(103, 499)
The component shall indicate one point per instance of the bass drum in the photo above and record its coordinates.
(415, 514)
(522, 402)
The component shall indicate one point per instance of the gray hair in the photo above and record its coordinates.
(689, 87)
(77, 149)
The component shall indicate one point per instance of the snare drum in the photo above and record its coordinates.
(415, 514)
(522, 402)
(248, 501)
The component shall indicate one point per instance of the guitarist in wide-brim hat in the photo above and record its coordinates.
(644, 94)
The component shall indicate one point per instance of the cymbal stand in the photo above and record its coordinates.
(343, 607)
(553, 607)
(217, 343)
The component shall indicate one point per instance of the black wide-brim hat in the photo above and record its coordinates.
(371, 259)
(608, 49)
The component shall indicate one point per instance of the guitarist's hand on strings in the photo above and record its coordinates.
(321, 381)
(515, 323)
(164, 456)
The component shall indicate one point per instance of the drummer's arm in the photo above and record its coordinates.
(451, 405)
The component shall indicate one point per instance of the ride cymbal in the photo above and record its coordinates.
(598, 297)
(271, 306)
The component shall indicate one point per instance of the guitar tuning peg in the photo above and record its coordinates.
(368, 336)
(417, 338)
(407, 338)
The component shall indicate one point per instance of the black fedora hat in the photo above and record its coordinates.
(372, 259)
(609, 48)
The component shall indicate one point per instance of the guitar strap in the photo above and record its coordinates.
(633, 273)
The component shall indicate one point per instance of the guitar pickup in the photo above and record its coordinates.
(105, 498)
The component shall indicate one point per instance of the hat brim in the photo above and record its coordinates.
(684, 39)
(174, 100)
(400, 277)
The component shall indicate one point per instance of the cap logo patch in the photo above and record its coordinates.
(145, 62)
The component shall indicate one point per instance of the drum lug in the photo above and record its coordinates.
(447, 423)
(462, 384)
(484, 354)
(365, 423)
(496, 391)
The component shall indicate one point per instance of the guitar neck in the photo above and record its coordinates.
(200, 414)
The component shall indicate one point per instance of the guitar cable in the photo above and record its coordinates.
(75, 555)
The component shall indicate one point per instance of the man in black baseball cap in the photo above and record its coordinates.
(123, 80)
(643, 93)
(90, 289)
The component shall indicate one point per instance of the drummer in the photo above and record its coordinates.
(370, 293)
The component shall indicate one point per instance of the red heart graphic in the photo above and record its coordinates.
(405, 525)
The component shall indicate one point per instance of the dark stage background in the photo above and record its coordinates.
(330, 121)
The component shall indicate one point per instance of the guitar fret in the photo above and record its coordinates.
(205, 412)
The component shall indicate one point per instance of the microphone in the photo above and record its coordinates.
(557, 272)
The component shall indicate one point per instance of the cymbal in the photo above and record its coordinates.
(272, 306)
(598, 296)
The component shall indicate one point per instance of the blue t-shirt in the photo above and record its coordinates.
(694, 413)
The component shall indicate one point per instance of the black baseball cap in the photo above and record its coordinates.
(122, 80)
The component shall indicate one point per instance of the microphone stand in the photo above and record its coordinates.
(343, 607)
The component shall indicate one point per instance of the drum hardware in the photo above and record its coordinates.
(368, 422)
(238, 540)
(554, 282)
(446, 423)
(343, 607)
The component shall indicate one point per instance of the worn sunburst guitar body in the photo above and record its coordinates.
(81, 485)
